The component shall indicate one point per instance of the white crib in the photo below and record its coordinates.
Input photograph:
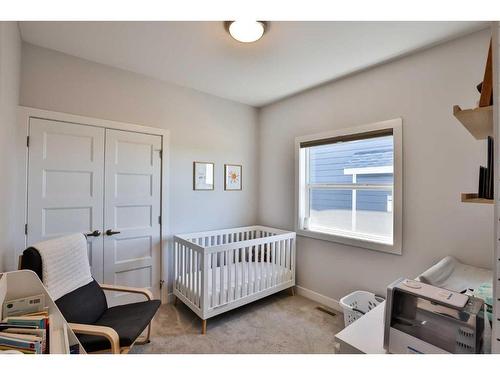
(220, 270)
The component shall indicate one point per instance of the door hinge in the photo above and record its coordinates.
(161, 283)
(160, 153)
(25, 228)
(28, 141)
(159, 220)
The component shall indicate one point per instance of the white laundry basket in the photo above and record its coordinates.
(358, 303)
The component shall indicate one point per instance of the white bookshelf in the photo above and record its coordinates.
(24, 283)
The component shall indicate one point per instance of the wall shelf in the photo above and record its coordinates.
(478, 121)
(472, 198)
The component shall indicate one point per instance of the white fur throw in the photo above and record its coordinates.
(65, 264)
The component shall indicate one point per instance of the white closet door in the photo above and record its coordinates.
(132, 212)
(65, 184)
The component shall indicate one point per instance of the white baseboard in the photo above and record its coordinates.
(320, 298)
(314, 296)
(170, 298)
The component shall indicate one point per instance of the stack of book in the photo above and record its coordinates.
(25, 327)
(486, 175)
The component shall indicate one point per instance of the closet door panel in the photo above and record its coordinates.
(65, 184)
(132, 211)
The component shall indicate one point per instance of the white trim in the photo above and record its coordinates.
(369, 170)
(23, 118)
(397, 129)
(320, 298)
(169, 298)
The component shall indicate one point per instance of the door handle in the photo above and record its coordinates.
(95, 233)
(109, 232)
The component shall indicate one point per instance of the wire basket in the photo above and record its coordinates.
(358, 303)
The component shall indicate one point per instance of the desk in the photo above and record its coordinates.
(365, 335)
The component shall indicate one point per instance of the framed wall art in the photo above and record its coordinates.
(203, 175)
(232, 177)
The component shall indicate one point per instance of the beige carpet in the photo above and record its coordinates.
(276, 324)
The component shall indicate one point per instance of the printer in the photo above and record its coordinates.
(422, 318)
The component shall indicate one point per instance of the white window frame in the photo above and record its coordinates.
(397, 199)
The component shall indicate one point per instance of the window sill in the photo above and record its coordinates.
(365, 244)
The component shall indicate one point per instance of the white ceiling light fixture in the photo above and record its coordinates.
(246, 31)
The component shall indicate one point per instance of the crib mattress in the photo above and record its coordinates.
(264, 275)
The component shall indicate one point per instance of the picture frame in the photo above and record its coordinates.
(233, 177)
(203, 176)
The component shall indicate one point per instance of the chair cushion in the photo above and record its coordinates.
(84, 305)
(127, 320)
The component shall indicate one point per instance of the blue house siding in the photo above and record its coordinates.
(327, 164)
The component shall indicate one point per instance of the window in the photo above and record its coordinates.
(349, 186)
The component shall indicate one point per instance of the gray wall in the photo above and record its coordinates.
(441, 160)
(202, 128)
(10, 61)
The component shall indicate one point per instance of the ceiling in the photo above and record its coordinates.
(291, 57)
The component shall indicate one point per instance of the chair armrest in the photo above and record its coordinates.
(94, 330)
(129, 289)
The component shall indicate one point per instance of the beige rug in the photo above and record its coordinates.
(276, 324)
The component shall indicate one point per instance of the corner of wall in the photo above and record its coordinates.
(258, 161)
(10, 72)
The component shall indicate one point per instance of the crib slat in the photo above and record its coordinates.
(283, 264)
(257, 269)
(186, 267)
(176, 274)
(261, 267)
(271, 265)
(254, 269)
(273, 277)
(214, 278)
(222, 269)
(290, 251)
(251, 279)
(283, 261)
(278, 262)
(247, 270)
(263, 280)
(194, 280)
(183, 265)
(201, 271)
(194, 269)
(287, 260)
(188, 273)
(230, 254)
(230, 271)
(283, 269)
(181, 269)
(179, 260)
(237, 274)
(282, 251)
(191, 274)
(242, 271)
(227, 268)
(290, 255)
(268, 265)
